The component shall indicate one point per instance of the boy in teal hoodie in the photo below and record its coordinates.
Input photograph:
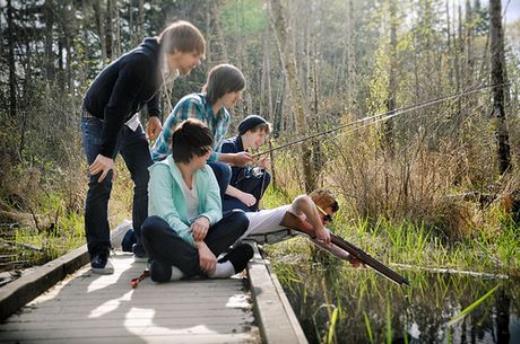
(186, 230)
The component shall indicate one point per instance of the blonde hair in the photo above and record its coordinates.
(324, 198)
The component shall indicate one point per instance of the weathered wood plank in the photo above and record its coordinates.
(277, 321)
(167, 339)
(18, 293)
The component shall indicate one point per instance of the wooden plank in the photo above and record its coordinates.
(129, 338)
(57, 324)
(18, 293)
(134, 314)
(107, 309)
(277, 321)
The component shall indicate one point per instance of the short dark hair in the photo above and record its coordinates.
(182, 36)
(190, 138)
(222, 79)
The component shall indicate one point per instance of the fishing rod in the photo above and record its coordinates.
(369, 120)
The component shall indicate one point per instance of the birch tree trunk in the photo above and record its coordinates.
(498, 79)
(287, 56)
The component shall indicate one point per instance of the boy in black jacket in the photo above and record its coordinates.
(110, 125)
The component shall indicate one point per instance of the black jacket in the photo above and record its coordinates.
(123, 88)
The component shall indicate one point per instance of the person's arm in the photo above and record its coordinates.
(160, 199)
(303, 204)
(235, 159)
(213, 205)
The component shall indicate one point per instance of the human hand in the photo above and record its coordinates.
(356, 263)
(200, 228)
(322, 235)
(207, 260)
(247, 199)
(264, 163)
(153, 128)
(242, 159)
(102, 165)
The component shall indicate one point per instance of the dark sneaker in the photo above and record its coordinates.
(128, 241)
(239, 256)
(101, 264)
(160, 272)
(139, 252)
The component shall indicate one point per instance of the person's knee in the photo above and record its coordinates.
(267, 179)
(239, 220)
(101, 189)
(150, 225)
(222, 172)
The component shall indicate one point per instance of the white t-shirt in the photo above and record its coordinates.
(192, 200)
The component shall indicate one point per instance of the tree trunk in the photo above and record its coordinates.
(49, 24)
(351, 58)
(11, 63)
(220, 52)
(140, 22)
(287, 56)
(388, 127)
(100, 28)
(109, 30)
(117, 29)
(498, 80)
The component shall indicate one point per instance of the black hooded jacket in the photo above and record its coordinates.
(123, 88)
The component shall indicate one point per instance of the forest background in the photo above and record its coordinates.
(432, 173)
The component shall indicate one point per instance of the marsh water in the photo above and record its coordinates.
(338, 304)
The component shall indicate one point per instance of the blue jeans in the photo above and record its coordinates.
(133, 147)
(164, 244)
(223, 174)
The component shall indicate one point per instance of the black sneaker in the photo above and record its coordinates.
(160, 272)
(239, 256)
(101, 264)
(139, 252)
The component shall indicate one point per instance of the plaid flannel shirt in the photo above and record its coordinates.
(194, 105)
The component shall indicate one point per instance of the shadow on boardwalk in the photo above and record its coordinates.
(88, 308)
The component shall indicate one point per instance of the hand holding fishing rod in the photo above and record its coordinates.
(291, 221)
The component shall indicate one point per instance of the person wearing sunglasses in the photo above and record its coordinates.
(315, 210)
(310, 214)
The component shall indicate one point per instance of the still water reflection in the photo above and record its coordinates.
(343, 305)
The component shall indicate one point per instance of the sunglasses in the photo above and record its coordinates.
(327, 217)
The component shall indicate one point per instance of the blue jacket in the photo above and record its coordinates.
(166, 198)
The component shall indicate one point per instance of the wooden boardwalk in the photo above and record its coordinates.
(89, 308)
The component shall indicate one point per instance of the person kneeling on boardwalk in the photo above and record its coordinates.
(248, 183)
(186, 230)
